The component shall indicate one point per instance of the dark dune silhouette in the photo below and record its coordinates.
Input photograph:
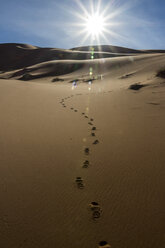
(16, 56)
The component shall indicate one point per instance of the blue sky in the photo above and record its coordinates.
(55, 23)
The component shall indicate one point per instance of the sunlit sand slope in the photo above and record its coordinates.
(115, 120)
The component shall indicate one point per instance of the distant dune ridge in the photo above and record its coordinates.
(24, 61)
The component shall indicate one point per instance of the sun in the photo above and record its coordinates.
(95, 25)
(96, 22)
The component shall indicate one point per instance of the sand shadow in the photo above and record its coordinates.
(136, 86)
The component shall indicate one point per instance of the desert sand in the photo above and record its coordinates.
(45, 128)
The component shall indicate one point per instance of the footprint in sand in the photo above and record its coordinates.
(75, 110)
(96, 210)
(104, 244)
(79, 182)
(93, 128)
(86, 164)
(83, 113)
(86, 116)
(93, 134)
(95, 142)
(90, 123)
(91, 119)
(86, 150)
(71, 108)
(154, 103)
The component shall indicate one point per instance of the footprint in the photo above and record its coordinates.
(91, 119)
(83, 113)
(104, 244)
(93, 134)
(75, 110)
(154, 103)
(85, 164)
(86, 116)
(79, 182)
(92, 205)
(96, 210)
(72, 108)
(90, 123)
(93, 128)
(95, 142)
(86, 150)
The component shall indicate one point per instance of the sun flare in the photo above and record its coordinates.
(95, 24)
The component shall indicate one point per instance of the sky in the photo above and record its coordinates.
(138, 24)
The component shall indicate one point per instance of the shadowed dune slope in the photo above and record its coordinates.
(67, 67)
(18, 56)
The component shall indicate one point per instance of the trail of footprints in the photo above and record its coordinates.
(93, 206)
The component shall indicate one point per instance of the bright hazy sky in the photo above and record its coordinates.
(55, 23)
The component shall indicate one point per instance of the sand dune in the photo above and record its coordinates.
(106, 48)
(107, 130)
(58, 67)
(18, 56)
